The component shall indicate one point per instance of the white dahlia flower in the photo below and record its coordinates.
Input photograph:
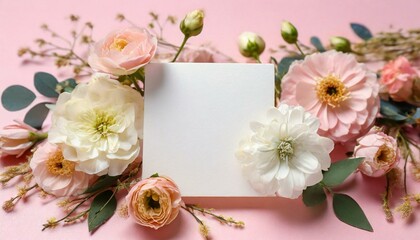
(285, 155)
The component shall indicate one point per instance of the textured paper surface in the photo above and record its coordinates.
(195, 116)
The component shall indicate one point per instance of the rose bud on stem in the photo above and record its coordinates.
(340, 44)
(290, 35)
(251, 45)
(190, 26)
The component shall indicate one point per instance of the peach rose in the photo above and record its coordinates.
(380, 153)
(397, 78)
(154, 202)
(123, 52)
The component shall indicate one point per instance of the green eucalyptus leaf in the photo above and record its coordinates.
(67, 85)
(339, 171)
(101, 209)
(361, 31)
(17, 97)
(348, 211)
(316, 42)
(36, 116)
(284, 64)
(103, 183)
(314, 195)
(46, 84)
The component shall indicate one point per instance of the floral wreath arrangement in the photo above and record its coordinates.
(325, 96)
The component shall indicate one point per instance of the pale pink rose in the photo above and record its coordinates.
(380, 152)
(190, 53)
(337, 89)
(54, 174)
(154, 202)
(16, 139)
(123, 52)
(397, 78)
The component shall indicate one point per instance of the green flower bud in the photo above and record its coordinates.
(289, 32)
(340, 44)
(192, 24)
(251, 44)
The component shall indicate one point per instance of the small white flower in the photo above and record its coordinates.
(285, 155)
(99, 125)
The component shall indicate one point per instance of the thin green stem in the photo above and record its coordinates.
(181, 47)
(299, 49)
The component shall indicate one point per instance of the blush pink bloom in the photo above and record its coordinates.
(154, 202)
(337, 89)
(16, 139)
(123, 52)
(380, 152)
(397, 77)
(54, 174)
(190, 53)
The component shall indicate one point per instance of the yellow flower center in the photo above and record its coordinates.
(58, 166)
(331, 90)
(384, 155)
(151, 200)
(102, 123)
(119, 44)
(285, 149)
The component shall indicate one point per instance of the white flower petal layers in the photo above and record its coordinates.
(99, 125)
(285, 155)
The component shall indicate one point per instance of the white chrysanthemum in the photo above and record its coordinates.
(285, 155)
(99, 125)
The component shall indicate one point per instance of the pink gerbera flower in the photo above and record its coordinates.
(337, 89)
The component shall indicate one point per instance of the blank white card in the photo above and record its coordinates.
(195, 115)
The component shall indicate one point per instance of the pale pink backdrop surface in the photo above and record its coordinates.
(265, 218)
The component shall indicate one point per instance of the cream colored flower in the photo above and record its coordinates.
(99, 125)
(285, 154)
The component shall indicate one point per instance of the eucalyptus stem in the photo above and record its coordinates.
(181, 47)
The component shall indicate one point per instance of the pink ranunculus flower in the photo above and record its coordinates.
(154, 202)
(123, 52)
(16, 139)
(380, 152)
(337, 89)
(56, 175)
(397, 78)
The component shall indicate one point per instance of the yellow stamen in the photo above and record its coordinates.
(384, 155)
(331, 90)
(119, 44)
(58, 166)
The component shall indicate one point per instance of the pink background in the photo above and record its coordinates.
(265, 218)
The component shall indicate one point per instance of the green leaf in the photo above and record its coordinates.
(339, 171)
(101, 209)
(398, 111)
(314, 195)
(67, 85)
(316, 42)
(361, 31)
(285, 63)
(17, 97)
(349, 212)
(103, 183)
(46, 84)
(36, 116)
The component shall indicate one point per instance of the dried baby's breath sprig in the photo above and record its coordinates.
(123, 210)
(9, 205)
(63, 50)
(13, 171)
(405, 209)
(204, 229)
(385, 46)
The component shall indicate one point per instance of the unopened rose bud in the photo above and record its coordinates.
(340, 44)
(192, 24)
(289, 32)
(380, 153)
(251, 44)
